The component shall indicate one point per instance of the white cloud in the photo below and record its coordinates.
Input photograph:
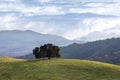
(48, 10)
(100, 24)
(95, 5)
(100, 36)
(77, 32)
(82, 28)
(10, 6)
(98, 8)
(8, 0)
(52, 9)
(101, 28)
(93, 10)
(91, 25)
(30, 10)
(44, 1)
(8, 22)
(40, 27)
(65, 25)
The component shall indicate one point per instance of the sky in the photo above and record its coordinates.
(72, 19)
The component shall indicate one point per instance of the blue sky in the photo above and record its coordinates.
(72, 19)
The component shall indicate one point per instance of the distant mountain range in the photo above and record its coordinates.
(17, 43)
(103, 50)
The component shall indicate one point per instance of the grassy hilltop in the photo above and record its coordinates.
(56, 69)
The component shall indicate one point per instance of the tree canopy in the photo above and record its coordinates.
(47, 50)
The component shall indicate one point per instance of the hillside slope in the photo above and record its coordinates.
(56, 69)
(103, 50)
(18, 43)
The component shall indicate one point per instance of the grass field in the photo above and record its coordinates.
(56, 69)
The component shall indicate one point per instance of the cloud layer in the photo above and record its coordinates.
(67, 18)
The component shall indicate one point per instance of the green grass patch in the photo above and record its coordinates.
(56, 69)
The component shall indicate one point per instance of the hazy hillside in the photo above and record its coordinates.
(56, 69)
(103, 50)
(17, 43)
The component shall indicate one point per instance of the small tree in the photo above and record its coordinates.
(47, 50)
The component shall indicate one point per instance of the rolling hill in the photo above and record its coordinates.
(56, 69)
(17, 43)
